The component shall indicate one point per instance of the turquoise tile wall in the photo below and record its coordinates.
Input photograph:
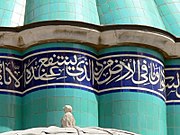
(45, 107)
(12, 12)
(137, 112)
(74, 10)
(10, 104)
(141, 12)
(173, 119)
(170, 14)
(10, 113)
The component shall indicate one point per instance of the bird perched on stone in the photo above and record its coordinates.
(68, 118)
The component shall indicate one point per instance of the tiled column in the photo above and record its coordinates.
(172, 72)
(10, 90)
(132, 90)
(56, 74)
(74, 10)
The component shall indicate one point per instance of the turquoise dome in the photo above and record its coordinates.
(170, 14)
(12, 12)
(72, 10)
(140, 12)
(161, 14)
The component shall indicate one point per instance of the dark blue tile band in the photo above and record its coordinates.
(77, 68)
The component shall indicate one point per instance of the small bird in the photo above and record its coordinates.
(68, 118)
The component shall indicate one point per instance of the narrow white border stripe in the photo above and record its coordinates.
(89, 88)
(172, 69)
(133, 88)
(173, 101)
(10, 57)
(60, 84)
(95, 90)
(11, 91)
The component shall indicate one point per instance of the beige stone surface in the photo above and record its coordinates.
(95, 38)
(69, 131)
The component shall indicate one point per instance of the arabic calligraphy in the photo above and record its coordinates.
(130, 71)
(58, 68)
(84, 70)
(10, 74)
(172, 84)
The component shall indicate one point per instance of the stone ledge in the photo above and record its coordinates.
(25, 37)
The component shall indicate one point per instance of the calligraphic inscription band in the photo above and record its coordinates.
(130, 72)
(61, 68)
(69, 67)
(11, 75)
(172, 84)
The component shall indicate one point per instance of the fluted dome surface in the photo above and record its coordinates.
(170, 14)
(12, 12)
(141, 12)
(74, 10)
(162, 14)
